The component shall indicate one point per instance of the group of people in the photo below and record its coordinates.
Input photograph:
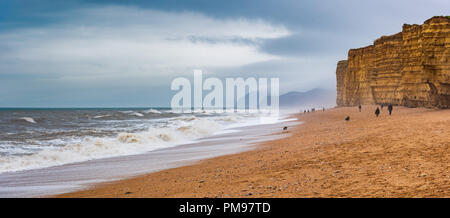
(312, 110)
(377, 111)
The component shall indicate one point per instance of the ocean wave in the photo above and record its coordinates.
(109, 134)
(152, 111)
(137, 114)
(125, 143)
(102, 116)
(28, 119)
(185, 118)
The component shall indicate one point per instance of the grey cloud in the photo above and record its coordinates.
(100, 52)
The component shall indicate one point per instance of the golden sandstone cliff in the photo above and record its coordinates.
(410, 68)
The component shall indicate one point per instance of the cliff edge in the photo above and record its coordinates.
(410, 68)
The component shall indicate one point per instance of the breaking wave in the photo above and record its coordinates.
(28, 119)
(70, 136)
(180, 131)
(152, 111)
(137, 114)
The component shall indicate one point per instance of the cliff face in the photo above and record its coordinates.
(340, 75)
(410, 68)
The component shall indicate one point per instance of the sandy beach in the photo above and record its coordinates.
(403, 155)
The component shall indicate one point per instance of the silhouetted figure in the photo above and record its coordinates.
(390, 109)
(377, 111)
(347, 118)
(359, 107)
(308, 111)
(285, 128)
(323, 109)
(382, 106)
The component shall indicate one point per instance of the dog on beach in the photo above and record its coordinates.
(377, 112)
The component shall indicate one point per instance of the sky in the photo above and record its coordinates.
(117, 53)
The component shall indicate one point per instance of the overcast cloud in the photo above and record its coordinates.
(110, 53)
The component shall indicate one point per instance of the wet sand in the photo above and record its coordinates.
(403, 155)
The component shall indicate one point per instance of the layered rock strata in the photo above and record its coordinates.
(410, 68)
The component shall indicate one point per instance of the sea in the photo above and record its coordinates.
(49, 140)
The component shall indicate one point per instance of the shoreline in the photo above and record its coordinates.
(388, 156)
(85, 174)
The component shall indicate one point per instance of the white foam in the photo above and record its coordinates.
(101, 116)
(152, 111)
(134, 113)
(88, 148)
(28, 119)
(137, 114)
(174, 131)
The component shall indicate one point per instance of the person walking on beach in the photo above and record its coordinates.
(359, 107)
(390, 109)
(377, 111)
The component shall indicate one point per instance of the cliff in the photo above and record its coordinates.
(410, 68)
(340, 75)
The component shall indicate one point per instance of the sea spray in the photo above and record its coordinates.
(58, 137)
(40, 150)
